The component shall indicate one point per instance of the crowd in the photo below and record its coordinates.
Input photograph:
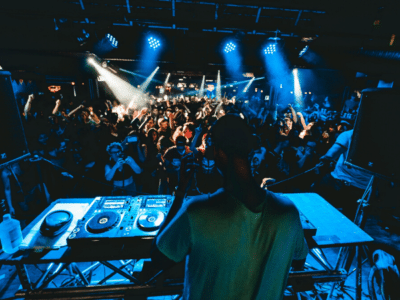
(102, 147)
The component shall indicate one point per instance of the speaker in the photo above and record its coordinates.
(13, 145)
(375, 144)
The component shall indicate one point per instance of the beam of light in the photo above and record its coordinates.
(232, 84)
(279, 75)
(166, 80)
(249, 82)
(233, 61)
(145, 84)
(139, 75)
(219, 86)
(248, 85)
(298, 95)
(151, 51)
(201, 93)
(125, 93)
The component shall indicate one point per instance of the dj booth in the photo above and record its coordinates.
(117, 233)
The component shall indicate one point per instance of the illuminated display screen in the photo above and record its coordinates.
(114, 204)
(156, 202)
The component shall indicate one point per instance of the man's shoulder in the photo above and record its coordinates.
(195, 203)
(280, 203)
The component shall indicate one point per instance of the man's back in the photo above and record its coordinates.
(235, 253)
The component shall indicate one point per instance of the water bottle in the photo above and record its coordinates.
(10, 234)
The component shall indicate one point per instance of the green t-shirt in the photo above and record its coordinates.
(232, 252)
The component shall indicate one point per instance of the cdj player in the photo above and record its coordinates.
(124, 219)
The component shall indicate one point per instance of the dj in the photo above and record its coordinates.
(239, 242)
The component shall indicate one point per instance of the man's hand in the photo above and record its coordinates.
(12, 211)
(129, 160)
(119, 163)
(198, 130)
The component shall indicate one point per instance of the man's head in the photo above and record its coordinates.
(232, 138)
(180, 143)
(163, 123)
(188, 130)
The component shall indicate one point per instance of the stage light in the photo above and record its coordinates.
(113, 41)
(104, 64)
(304, 50)
(154, 43)
(230, 47)
(91, 61)
(271, 49)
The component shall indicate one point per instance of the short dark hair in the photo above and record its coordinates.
(232, 135)
(180, 140)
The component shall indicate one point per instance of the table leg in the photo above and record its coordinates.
(358, 273)
(24, 277)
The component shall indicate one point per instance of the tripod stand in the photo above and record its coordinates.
(347, 254)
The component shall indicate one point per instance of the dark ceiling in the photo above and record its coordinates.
(192, 31)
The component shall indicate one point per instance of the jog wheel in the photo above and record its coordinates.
(103, 222)
(150, 221)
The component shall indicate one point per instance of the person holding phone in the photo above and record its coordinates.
(120, 171)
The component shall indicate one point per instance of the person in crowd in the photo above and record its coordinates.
(207, 178)
(351, 104)
(151, 166)
(289, 141)
(345, 185)
(172, 161)
(253, 236)
(119, 170)
(26, 196)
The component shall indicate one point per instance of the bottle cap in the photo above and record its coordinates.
(6, 217)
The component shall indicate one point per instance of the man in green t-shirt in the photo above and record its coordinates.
(239, 242)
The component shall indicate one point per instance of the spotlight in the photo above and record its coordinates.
(303, 51)
(113, 41)
(91, 61)
(230, 47)
(270, 49)
(154, 43)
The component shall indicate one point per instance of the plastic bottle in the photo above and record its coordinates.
(10, 234)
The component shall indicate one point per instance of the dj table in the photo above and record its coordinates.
(333, 230)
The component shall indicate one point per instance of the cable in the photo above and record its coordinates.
(317, 166)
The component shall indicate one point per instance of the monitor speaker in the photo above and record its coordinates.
(375, 144)
(13, 145)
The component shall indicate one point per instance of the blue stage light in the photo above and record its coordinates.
(270, 49)
(304, 50)
(113, 41)
(154, 43)
(230, 47)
